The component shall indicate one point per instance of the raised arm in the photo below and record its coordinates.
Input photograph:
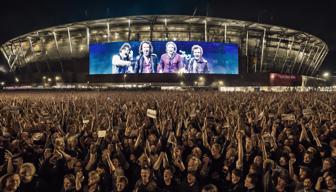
(117, 61)
(9, 159)
(92, 158)
(239, 136)
(313, 130)
(291, 162)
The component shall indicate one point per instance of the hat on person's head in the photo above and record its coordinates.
(123, 46)
(312, 150)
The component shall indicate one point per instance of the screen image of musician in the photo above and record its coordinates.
(146, 61)
(121, 62)
(163, 57)
(170, 62)
(197, 64)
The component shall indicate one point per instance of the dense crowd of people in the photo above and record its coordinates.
(191, 141)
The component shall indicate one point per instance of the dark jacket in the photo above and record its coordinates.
(201, 67)
(139, 65)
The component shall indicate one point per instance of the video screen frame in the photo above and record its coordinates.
(163, 57)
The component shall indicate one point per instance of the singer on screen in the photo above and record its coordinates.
(170, 62)
(146, 61)
(121, 63)
(197, 64)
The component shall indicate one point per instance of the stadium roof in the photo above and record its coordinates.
(315, 17)
(270, 48)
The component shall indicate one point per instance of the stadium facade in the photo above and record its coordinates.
(263, 49)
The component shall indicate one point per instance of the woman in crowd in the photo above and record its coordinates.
(10, 182)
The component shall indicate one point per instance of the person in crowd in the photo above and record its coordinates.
(122, 184)
(69, 184)
(10, 182)
(236, 184)
(190, 183)
(29, 181)
(250, 183)
(210, 188)
(168, 183)
(146, 181)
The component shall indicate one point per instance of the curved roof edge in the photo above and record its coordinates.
(243, 23)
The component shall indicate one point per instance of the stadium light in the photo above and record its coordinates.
(49, 80)
(17, 79)
(181, 72)
(326, 74)
(44, 77)
(57, 78)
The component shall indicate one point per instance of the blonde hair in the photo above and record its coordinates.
(171, 43)
(29, 166)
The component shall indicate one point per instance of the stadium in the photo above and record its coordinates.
(165, 100)
(267, 54)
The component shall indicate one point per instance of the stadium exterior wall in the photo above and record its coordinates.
(63, 50)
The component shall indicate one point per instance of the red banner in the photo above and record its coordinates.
(277, 79)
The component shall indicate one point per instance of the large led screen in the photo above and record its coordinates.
(163, 57)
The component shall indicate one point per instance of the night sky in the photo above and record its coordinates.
(315, 17)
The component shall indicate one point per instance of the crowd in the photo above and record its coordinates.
(194, 141)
